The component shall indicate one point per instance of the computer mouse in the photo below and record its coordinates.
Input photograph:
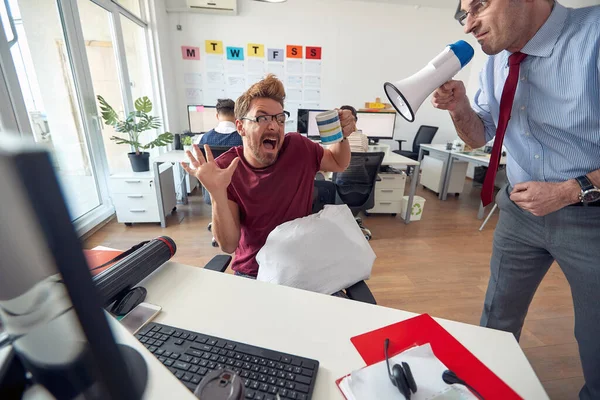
(128, 302)
(220, 384)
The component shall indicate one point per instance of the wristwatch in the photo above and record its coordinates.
(589, 193)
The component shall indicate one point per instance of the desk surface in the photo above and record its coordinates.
(303, 323)
(176, 156)
(482, 160)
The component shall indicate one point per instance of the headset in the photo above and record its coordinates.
(400, 375)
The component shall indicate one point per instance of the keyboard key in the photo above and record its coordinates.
(187, 377)
(181, 365)
(215, 350)
(222, 360)
(179, 374)
(152, 349)
(230, 346)
(147, 345)
(238, 356)
(168, 362)
(219, 366)
(302, 379)
(273, 389)
(211, 365)
(221, 343)
(192, 337)
(203, 363)
(161, 359)
(230, 354)
(293, 395)
(179, 342)
(282, 375)
(244, 374)
(167, 354)
(280, 382)
(156, 328)
(175, 356)
(309, 364)
(202, 371)
(269, 397)
(201, 347)
(222, 352)
(254, 376)
(211, 342)
(144, 340)
(177, 334)
(302, 388)
(263, 378)
(273, 372)
(307, 372)
(247, 382)
(301, 396)
(167, 331)
(262, 362)
(201, 339)
(297, 362)
(297, 370)
(283, 392)
(206, 356)
(238, 364)
(255, 368)
(214, 357)
(195, 361)
(271, 364)
(193, 369)
(286, 360)
(250, 394)
(247, 358)
(185, 358)
(184, 336)
(193, 352)
(272, 381)
(230, 361)
(150, 341)
(290, 385)
(265, 370)
(255, 385)
(159, 343)
(195, 379)
(280, 365)
(259, 396)
(164, 337)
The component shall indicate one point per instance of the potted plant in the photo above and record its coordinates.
(135, 124)
(186, 141)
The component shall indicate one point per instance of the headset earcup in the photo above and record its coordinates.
(401, 382)
(410, 379)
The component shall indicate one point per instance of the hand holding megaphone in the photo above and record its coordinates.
(451, 96)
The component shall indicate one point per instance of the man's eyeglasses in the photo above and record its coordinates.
(266, 119)
(477, 7)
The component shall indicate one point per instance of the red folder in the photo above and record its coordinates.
(421, 330)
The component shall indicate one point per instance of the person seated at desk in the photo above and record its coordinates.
(225, 134)
(267, 181)
(359, 142)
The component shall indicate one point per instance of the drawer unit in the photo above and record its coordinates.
(388, 194)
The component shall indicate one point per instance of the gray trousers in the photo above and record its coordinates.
(524, 248)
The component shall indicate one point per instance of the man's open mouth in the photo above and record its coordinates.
(270, 144)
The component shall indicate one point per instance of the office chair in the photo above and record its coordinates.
(424, 135)
(216, 152)
(356, 185)
(324, 193)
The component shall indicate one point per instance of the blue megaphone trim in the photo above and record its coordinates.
(463, 51)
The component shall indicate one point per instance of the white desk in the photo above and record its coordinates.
(302, 323)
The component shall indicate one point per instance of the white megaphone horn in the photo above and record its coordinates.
(408, 94)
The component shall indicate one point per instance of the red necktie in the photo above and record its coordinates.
(506, 103)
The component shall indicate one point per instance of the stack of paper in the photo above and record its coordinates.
(373, 382)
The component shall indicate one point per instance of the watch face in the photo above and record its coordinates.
(591, 196)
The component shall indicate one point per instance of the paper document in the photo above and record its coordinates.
(373, 382)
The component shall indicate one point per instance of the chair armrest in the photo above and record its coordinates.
(219, 263)
(400, 141)
(361, 292)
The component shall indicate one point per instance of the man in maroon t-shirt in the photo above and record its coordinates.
(267, 181)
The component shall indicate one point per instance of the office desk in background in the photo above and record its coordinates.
(177, 156)
(301, 323)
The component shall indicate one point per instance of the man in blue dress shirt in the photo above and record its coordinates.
(550, 210)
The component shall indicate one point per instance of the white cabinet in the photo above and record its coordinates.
(433, 172)
(388, 193)
(135, 196)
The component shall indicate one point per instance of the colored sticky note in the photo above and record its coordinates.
(256, 50)
(235, 53)
(275, 54)
(294, 51)
(214, 47)
(313, 53)
(190, 53)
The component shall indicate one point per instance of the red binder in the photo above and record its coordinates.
(423, 329)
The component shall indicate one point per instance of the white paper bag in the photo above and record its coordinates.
(324, 252)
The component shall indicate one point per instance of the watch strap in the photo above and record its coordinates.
(585, 183)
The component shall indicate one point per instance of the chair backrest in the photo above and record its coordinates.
(424, 135)
(323, 193)
(355, 186)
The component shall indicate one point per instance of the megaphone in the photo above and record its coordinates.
(408, 94)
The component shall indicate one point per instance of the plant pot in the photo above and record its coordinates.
(186, 148)
(139, 162)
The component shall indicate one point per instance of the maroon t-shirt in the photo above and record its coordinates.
(270, 196)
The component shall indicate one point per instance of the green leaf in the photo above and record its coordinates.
(143, 104)
(109, 115)
(162, 140)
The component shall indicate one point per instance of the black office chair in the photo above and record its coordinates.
(324, 193)
(356, 185)
(424, 135)
(216, 152)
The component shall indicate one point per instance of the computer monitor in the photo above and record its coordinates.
(377, 125)
(47, 296)
(202, 118)
(307, 123)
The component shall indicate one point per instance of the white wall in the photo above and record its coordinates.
(364, 45)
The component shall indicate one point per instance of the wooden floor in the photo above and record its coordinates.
(439, 265)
